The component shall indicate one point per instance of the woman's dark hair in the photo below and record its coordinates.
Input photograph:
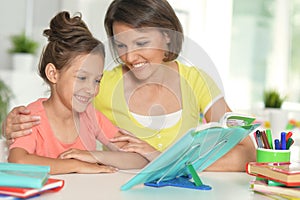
(68, 37)
(146, 13)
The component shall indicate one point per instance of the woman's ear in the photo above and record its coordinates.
(51, 73)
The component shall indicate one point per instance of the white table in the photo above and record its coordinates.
(225, 186)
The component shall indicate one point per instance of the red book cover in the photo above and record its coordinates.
(52, 185)
(286, 173)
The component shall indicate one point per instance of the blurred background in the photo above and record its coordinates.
(253, 44)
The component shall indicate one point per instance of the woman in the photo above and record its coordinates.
(151, 94)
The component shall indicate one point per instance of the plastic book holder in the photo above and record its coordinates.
(196, 150)
(184, 181)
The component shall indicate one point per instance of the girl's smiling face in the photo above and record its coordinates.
(141, 50)
(79, 84)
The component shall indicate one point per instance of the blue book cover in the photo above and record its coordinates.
(23, 175)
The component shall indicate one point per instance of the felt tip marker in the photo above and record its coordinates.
(277, 144)
(283, 140)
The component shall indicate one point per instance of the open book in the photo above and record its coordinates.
(198, 148)
(230, 119)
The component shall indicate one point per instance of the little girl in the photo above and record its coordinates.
(72, 65)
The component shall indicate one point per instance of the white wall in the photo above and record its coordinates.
(28, 86)
(12, 21)
(13, 17)
(204, 22)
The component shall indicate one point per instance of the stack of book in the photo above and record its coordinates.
(277, 179)
(23, 181)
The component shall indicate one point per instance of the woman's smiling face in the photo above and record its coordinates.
(141, 50)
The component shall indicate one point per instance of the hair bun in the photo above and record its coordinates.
(64, 29)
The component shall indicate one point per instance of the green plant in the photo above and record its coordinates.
(272, 99)
(5, 97)
(23, 44)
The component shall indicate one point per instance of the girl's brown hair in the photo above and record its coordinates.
(146, 13)
(68, 37)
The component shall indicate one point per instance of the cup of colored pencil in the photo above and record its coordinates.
(264, 140)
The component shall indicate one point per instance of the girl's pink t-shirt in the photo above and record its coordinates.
(43, 142)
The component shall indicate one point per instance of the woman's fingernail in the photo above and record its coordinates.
(26, 132)
(36, 117)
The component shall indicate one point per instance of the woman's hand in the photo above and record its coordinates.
(134, 144)
(18, 123)
(82, 155)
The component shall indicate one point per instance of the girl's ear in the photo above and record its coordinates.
(51, 73)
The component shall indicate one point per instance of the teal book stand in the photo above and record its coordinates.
(195, 151)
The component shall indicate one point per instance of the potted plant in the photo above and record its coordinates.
(22, 50)
(5, 97)
(272, 99)
(278, 117)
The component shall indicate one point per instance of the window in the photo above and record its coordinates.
(264, 50)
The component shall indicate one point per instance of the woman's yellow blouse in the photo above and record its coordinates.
(198, 92)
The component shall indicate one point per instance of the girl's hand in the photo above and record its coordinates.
(82, 155)
(134, 144)
(94, 168)
(18, 123)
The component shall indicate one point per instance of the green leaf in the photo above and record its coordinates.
(5, 96)
(272, 99)
(23, 44)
